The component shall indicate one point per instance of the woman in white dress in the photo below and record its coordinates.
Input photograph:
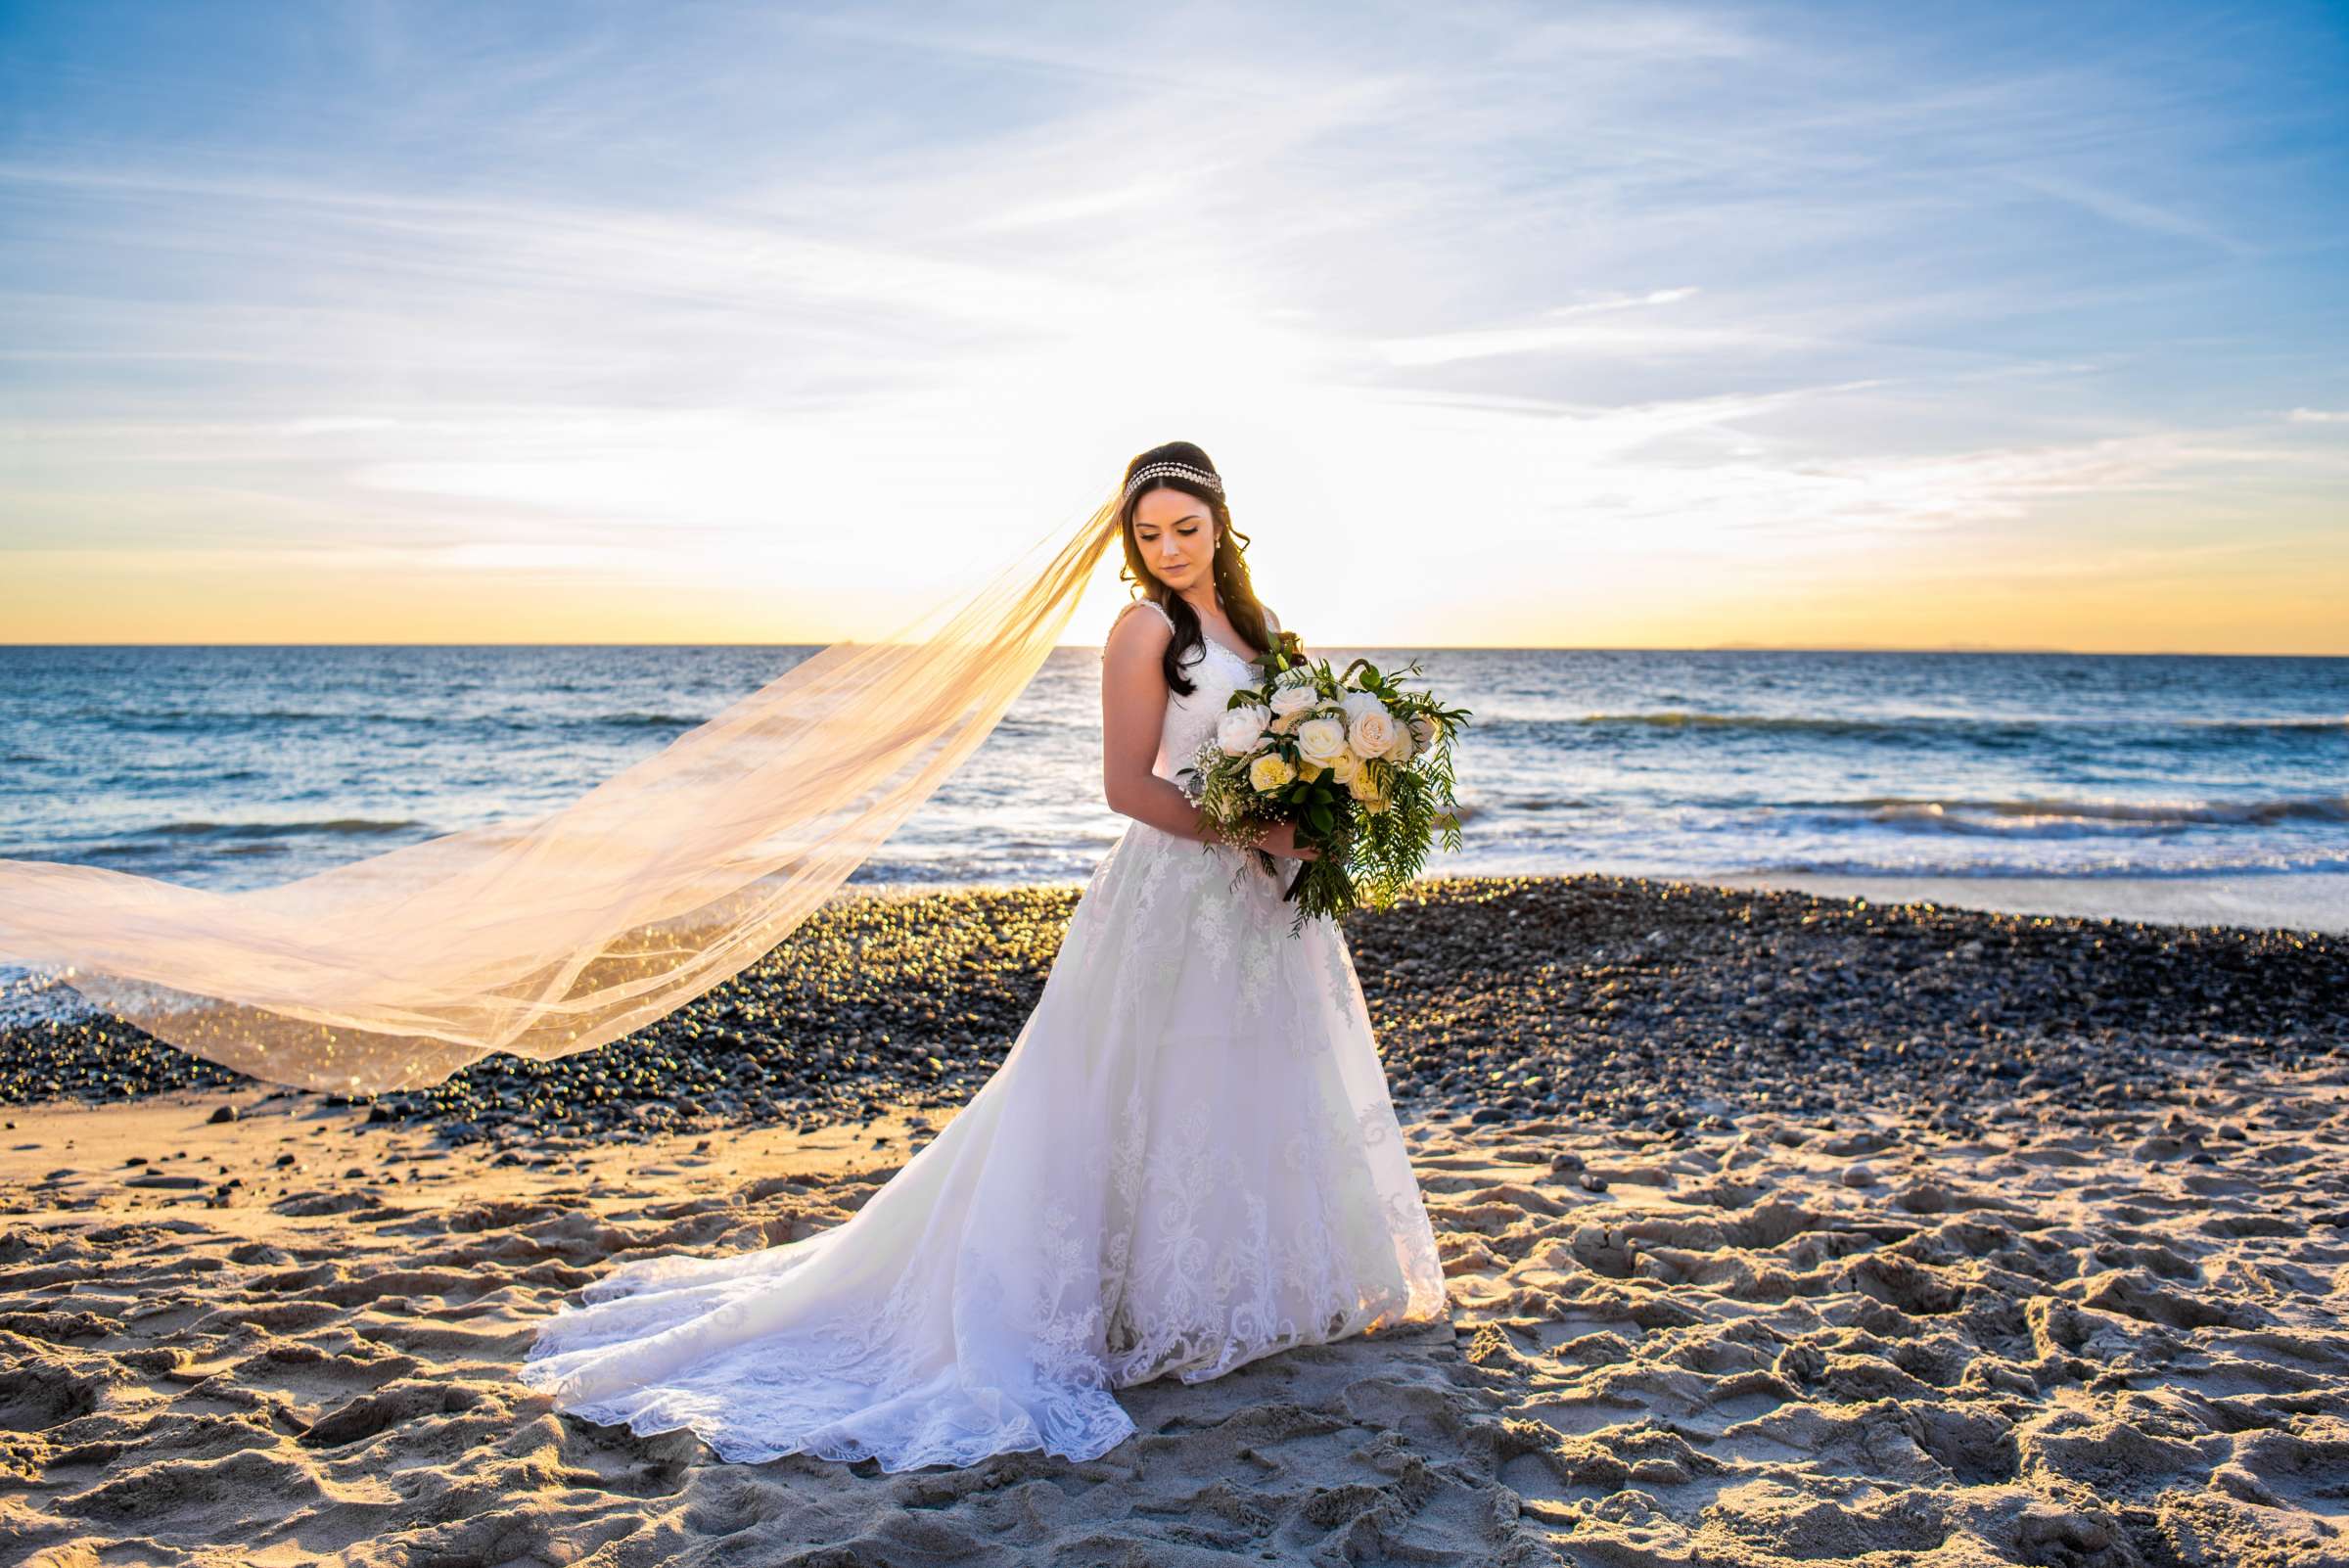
(1187, 1161)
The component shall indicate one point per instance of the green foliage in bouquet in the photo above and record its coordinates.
(1360, 763)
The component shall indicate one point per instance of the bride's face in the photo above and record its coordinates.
(1176, 536)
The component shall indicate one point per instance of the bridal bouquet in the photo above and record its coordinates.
(1361, 765)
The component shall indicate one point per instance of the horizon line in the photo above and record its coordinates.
(1429, 647)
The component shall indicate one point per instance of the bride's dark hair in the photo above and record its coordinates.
(1231, 567)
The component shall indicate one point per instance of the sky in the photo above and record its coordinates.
(1994, 326)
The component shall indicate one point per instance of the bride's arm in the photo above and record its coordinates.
(1134, 710)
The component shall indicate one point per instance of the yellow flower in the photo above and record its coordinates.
(1269, 772)
(1308, 771)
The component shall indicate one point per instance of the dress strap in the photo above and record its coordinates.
(1128, 605)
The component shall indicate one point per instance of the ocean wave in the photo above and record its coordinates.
(201, 719)
(2277, 725)
(1472, 809)
(632, 721)
(1912, 724)
(1814, 724)
(2083, 871)
(228, 722)
(37, 997)
(2059, 817)
(341, 826)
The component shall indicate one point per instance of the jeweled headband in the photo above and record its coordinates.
(1197, 475)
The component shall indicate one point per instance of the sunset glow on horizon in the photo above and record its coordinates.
(1811, 326)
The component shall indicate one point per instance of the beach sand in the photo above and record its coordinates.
(1770, 1345)
(1778, 1230)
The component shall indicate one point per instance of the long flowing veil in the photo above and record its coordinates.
(557, 934)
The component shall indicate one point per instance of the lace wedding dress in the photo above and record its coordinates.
(1187, 1161)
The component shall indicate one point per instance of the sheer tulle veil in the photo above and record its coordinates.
(557, 934)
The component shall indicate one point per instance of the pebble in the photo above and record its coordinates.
(1639, 1002)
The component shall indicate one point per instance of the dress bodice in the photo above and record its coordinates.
(1214, 672)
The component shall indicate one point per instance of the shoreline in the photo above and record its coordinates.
(2306, 902)
(2268, 901)
(1644, 999)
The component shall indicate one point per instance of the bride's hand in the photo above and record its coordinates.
(1283, 841)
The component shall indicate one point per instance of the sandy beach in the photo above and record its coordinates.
(1779, 1228)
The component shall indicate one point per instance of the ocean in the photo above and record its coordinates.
(236, 766)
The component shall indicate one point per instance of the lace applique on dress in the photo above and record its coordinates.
(1222, 1288)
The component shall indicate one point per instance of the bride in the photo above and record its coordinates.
(1187, 1161)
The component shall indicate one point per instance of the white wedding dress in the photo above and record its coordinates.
(1187, 1161)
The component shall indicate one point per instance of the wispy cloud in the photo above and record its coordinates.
(1717, 283)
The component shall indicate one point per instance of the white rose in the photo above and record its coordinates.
(1240, 729)
(1321, 740)
(1288, 699)
(1423, 732)
(1401, 751)
(1343, 767)
(1359, 702)
(1373, 733)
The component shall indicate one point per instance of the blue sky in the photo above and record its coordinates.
(1621, 325)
